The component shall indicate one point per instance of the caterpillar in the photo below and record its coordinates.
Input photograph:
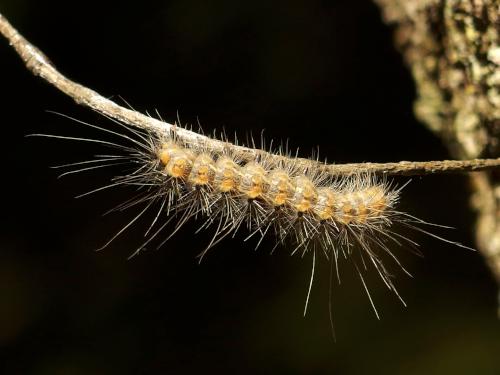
(230, 188)
(271, 195)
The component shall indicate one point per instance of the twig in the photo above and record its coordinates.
(41, 66)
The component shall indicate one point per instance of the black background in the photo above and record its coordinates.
(320, 73)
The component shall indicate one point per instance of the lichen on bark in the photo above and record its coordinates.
(452, 49)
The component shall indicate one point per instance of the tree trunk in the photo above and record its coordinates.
(452, 48)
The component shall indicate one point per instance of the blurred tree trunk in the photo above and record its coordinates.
(452, 48)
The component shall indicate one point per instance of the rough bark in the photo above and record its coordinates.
(452, 48)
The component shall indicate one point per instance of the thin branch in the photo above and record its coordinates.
(41, 66)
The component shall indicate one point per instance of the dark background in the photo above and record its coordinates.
(321, 73)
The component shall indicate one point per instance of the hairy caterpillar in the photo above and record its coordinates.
(231, 189)
(350, 217)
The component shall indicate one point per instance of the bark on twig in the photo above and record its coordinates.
(41, 66)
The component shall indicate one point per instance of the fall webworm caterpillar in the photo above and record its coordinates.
(350, 217)
(353, 218)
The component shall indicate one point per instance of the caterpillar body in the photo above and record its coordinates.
(270, 195)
